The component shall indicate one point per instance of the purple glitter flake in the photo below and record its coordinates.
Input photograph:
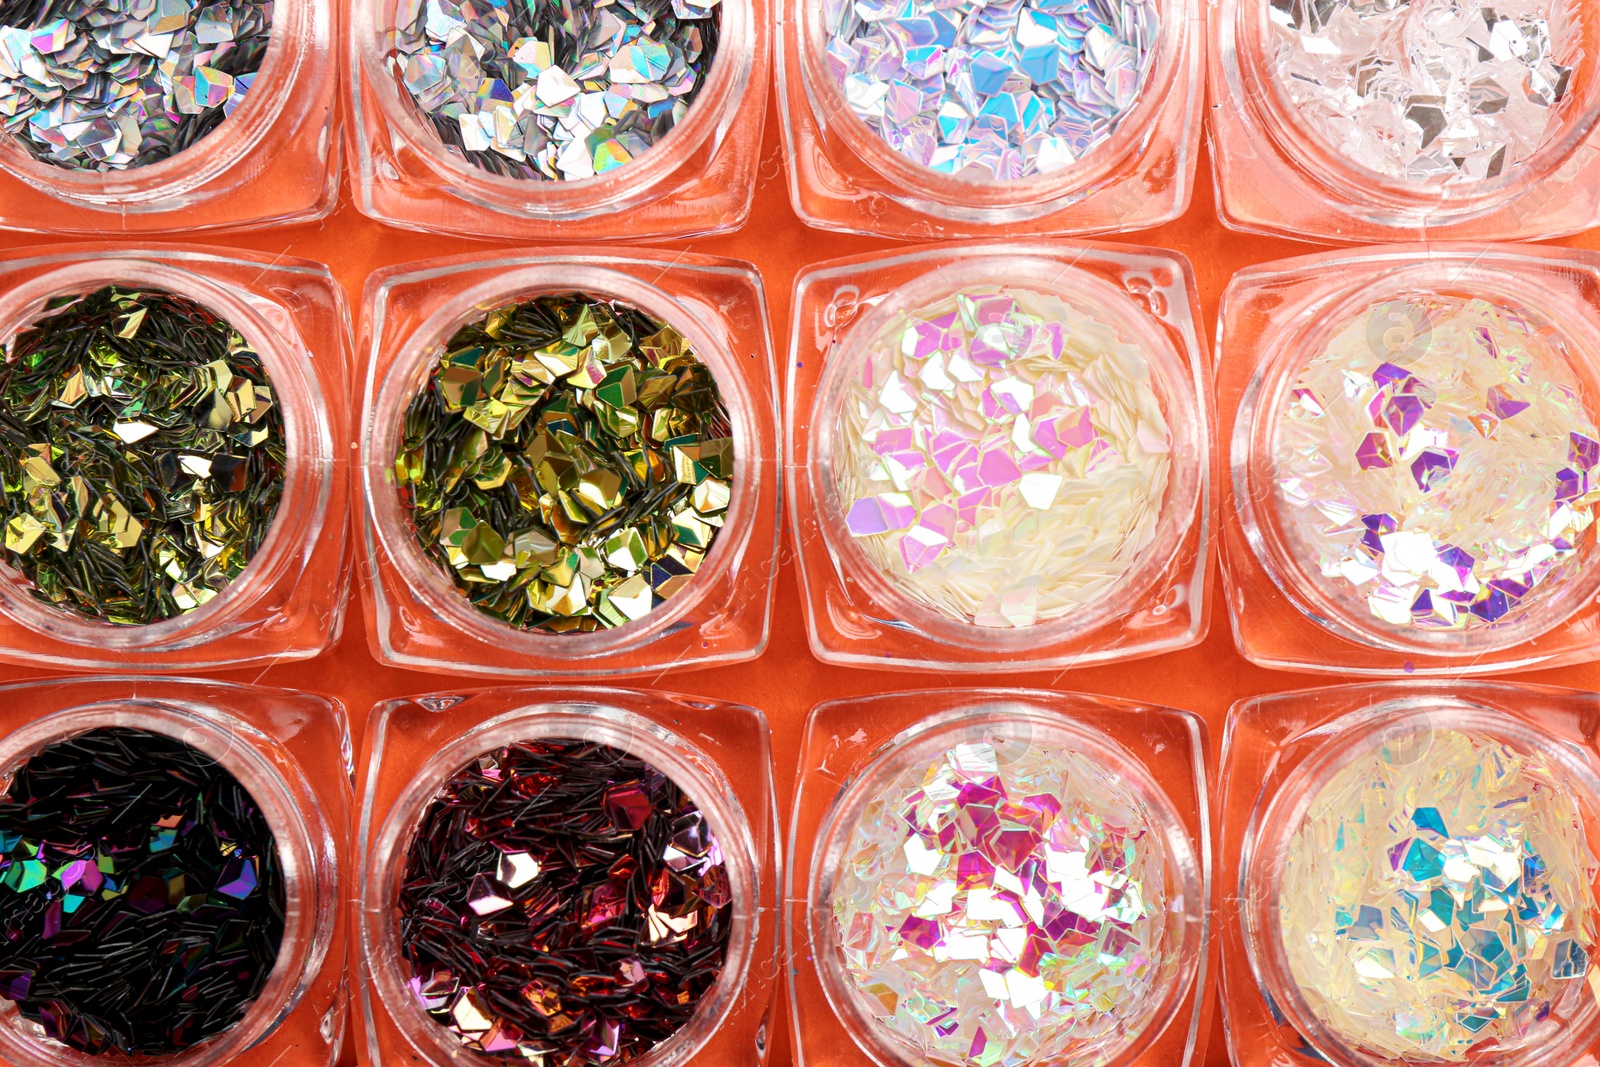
(1432, 467)
(238, 877)
(1402, 413)
(1373, 452)
(1583, 451)
(1502, 405)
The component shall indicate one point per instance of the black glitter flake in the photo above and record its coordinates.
(141, 896)
(564, 902)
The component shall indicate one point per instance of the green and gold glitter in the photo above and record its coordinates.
(142, 452)
(568, 463)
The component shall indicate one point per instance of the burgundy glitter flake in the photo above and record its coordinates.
(565, 903)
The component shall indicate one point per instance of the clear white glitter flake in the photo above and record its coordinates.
(1437, 901)
(1426, 91)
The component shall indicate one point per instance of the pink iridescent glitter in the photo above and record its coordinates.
(1006, 904)
(1002, 456)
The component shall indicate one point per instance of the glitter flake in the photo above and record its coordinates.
(141, 895)
(1438, 897)
(994, 91)
(1426, 91)
(1003, 457)
(1443, 475)
(569, 462)
(997, 915)
(553, 91)
(563, 903)
(142, 453)
(116, 85)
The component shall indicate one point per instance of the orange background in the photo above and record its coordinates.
(786, 682)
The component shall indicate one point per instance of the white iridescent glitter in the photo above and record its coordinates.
(1437, 900)
(1425, 91)
(1002, 456)
(1436, 463)
(992, 89)
(1003, 907)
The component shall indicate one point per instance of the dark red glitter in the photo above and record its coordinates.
(564, 902)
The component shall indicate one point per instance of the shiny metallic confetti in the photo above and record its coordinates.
(142, 454)
(113, 85)
(141, 894)
(563, 903)
(553, 91)
(995, 91)
(1437, 899)
(1434, 463)
(1426, 91)
(1002, 456)
(569, 463)
(997, 911)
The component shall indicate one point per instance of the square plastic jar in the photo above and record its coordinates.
(291, 752)
(416, 617)
(1276, 175)
(857, 751)
(861, 612)
(273, 161)
(289, 603)
(844, 176)
(1286, 610)
(698, 179)
(718, 753)
(1281, 752)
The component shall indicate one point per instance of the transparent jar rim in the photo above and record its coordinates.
(604, 720)
(215, 732)
(1273, 825)
(1376, 196)
(647, 178)
(1171, 379)
(927, 740)
(1257, 423)
(308, 452)
(404, 378)
(939, 193)
(152, 188)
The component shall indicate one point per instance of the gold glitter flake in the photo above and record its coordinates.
(570, 462)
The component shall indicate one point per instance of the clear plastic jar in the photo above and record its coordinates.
(417, 618)
(289, 602)
(277, 743)
(273, 161)
(1287, 758)
(844, 176)
(860, 614)
(853, 755)
(1278, 317)
(413, 746)
(1275, 176)
(699, 179)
